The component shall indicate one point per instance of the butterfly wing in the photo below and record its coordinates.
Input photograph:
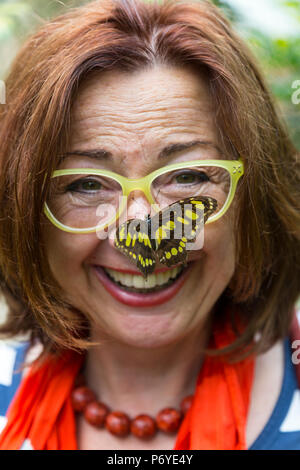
(178, 224)
(133, 241)
(166, 235)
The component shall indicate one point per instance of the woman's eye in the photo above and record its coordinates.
(85, 185)
(191, 178)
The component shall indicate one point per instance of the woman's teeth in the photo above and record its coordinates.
(137, 282)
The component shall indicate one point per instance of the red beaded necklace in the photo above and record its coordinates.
(97, 414)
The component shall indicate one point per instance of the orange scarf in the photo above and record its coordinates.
(41, 410)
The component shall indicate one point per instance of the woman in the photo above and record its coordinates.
(109, 94)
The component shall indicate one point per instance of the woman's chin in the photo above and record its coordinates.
(146, 331)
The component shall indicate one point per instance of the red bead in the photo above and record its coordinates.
(143, 426)
(81, 396)
(186, 404)
(168, 419)
(95, 413)
(118, 423)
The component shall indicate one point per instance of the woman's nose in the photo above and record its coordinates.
(137, 207)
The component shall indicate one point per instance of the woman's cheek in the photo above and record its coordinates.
(67, 252)
(219, 245)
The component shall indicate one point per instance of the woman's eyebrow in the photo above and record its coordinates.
(102, 154)
(178, 146)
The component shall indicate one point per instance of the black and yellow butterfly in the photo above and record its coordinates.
(144, 241)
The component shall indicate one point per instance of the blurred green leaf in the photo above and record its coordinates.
(230, 12)
(279, 59)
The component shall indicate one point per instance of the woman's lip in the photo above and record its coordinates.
(135, 299)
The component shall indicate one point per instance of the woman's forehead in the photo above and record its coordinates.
(166, 81)
(141, 109)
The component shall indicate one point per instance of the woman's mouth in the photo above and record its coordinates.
(137, 283)
(134, 290)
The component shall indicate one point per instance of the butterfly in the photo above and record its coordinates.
(165, 235)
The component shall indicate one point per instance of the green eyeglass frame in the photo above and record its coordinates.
(234, 167)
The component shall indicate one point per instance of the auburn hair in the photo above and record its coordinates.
(130, 35)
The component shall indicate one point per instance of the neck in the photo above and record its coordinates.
(145, 380)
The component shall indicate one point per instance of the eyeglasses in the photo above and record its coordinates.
(85, 200)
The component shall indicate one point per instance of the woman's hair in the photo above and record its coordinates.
(130, 35)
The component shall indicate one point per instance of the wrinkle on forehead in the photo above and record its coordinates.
(135, 91)
(139, 112)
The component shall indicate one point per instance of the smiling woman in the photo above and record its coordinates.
(147, 103)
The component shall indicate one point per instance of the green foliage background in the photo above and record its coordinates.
(279, 56)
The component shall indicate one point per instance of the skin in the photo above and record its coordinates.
(148, 358)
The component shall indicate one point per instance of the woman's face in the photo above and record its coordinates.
(133, 116)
